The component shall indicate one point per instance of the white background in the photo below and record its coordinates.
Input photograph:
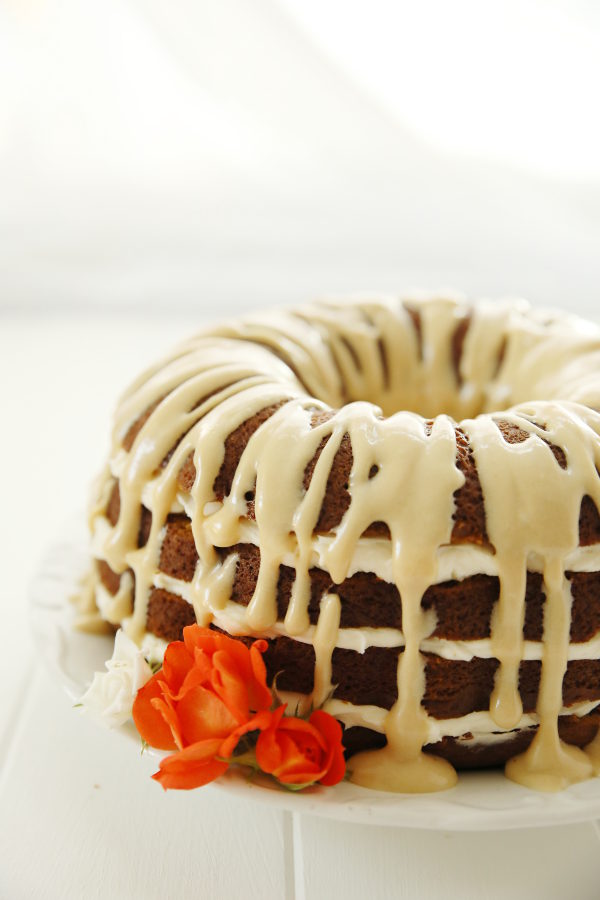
(245, 152)
(164, 164)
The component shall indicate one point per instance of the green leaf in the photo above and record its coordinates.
(296, 787)
(244, 759)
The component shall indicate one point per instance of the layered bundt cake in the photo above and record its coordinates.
(400, 496)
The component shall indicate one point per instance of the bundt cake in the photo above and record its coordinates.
(340, 480)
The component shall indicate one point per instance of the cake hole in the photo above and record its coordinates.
(559, 454)
(373, 471)
(511, 433)
(415, 317)
(249, 496)
(145, 526)
(500, 356)
(385, 366)
(352, 352)
(457, 343)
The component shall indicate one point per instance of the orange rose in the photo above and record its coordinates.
(210, 691)
(298, 752)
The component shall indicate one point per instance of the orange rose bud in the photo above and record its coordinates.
(210, 691)
(300, 752)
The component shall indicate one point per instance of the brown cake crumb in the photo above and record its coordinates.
(168, 615)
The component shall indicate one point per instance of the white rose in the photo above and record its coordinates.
(110, 696)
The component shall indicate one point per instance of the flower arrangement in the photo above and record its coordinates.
(209, 703)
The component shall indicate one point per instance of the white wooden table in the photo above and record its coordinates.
(79, 816)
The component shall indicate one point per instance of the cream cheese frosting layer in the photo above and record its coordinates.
(455, 561)
(475, 723)
(232, 617)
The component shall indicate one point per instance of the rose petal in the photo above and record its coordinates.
(164, 707)
(238, 652)
(268, 752)
(258, 722)
(210, 642)
(259, 694)
(331, 729)
(202, 715)
(148, 720)
(197, 638)
(176, 664)
(228, 683)
(199, 674)
(192, 767)
(303, 729)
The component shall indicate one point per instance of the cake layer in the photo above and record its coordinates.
(453, 688)
(463, 609)
(476, 751)
(455, 561)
